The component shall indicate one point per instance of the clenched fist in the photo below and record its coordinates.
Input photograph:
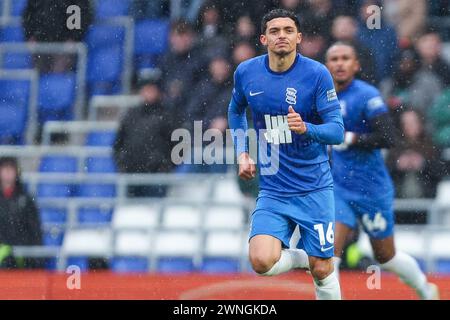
(247, 167)
(295, 121)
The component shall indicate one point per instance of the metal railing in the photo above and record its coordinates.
(75, 127)
(50, 48)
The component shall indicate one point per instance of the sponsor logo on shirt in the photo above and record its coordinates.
(277, 129)
(375, 103)
(291, 96)
(331, 95)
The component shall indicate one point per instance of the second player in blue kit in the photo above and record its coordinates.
(363, 188)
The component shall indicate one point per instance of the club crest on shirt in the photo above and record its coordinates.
(291, 96)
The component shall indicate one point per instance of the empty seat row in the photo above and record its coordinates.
(172, 251)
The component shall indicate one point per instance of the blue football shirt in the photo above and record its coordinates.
(308, 87)
(357, 171)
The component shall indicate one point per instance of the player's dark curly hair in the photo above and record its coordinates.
(278, 13)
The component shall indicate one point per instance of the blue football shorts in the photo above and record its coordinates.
(313, 213)
(375, 215)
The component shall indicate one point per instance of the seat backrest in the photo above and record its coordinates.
(57, 90)
(129, 264)
(58, 163)
(111, 8)
(443, 193)
(12, 34)
(100, 138)
(89, 242)
(101, 164)
(151, 36)
(224, 218)
(227, 190)
(97, 190)
(136, 216)
(132, 243)
(94, 215)
(53, 215)
(224, 244)
(177, 243)
(181, 216)
(101, 36)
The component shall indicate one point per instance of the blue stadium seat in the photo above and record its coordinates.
(12, 34)
(56, 96)
(105, 59)
(151, 37)
(150, 41)
(17, 61)
(175, 265)
(14, 103)
(13, 121)
(54, 190)
(100, 138)
(94, 215)
(220, 265)
(112, 8)
(97, 190)
(58, 163)
(53, 237)
(17, 7)
(101, 165)
(104, 36)
(81, 262)
(50, 215)
(129, 264)
(105, 65)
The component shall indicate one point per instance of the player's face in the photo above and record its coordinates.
(281, 37)
(342, 63)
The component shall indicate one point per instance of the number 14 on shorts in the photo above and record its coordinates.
(325, 237)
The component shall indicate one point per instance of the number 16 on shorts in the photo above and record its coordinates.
(325, 237)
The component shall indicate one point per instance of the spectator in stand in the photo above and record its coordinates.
(209, 105)
(429, 47)
(181, 68)
(411, 85)
(245, 30)
(314, 44)
(439, 117)
(414, 163)
(381, 42)
(321, 15)
(345, 28)
(242, 51)
(143, 142)
(19, 217)
(211, 41)
(46, 21)
(409, 20)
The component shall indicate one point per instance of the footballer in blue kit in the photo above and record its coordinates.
(363, 189)
(296, 114)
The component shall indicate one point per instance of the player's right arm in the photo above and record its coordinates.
(237, 121)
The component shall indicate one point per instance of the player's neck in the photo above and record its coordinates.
(342, 86)
(281, 64)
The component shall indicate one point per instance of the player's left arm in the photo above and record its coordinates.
(383, 133)
(331, 131)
